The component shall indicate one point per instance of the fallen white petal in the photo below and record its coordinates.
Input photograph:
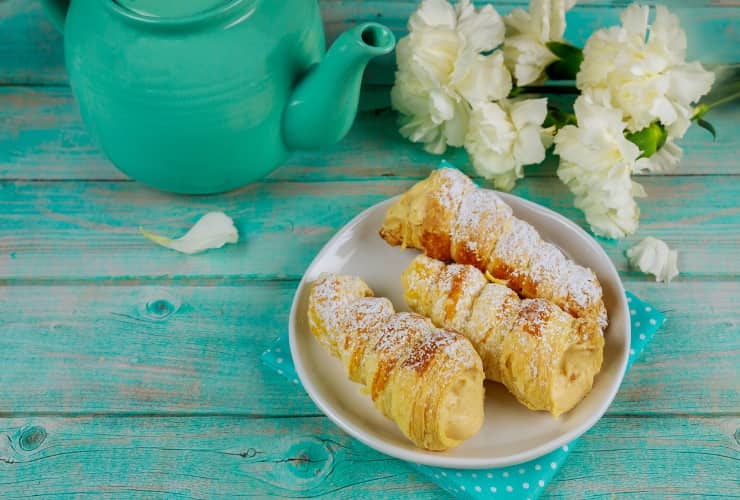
(213, 230)
(652, 256)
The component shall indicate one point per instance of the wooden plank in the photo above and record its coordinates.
(217, 457)
(187, 349)
(53, 230)
(223, 457)
(31, 51)
(711, 28)
(42, 137)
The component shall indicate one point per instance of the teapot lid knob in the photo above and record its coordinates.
(172, 10)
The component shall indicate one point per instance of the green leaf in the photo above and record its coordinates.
(558, 118)
(565, 50)
(707, 126)
(650, 139)
(568, 63)
(515, 91)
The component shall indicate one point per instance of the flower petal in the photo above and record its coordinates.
(482, 78)
(653, 256)
(483, 29)
(433, 13)
(666, 31)
(529, 112)
(528, 149)
(635, 19)
(664, 160)
(213, 230)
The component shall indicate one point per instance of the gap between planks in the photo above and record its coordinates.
(386, 176)
(218, 280)
(278, 416)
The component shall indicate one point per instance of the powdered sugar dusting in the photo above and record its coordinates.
(478, 222)
(362, 318)
(348, 313)
(458, 286)
(330, 296)
(516, 246)
(452, 187)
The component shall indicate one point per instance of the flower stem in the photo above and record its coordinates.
(703, 109)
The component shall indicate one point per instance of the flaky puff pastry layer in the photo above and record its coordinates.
(429, 381)
(451, 219)
(544, 356)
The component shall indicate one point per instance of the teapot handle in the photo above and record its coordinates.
(57, 11)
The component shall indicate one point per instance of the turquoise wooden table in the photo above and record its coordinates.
(130, 370)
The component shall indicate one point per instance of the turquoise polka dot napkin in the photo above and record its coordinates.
(527, 480)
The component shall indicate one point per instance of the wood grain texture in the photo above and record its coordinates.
(42, 137)
(90, 230)
(226, 457)
(172, 348)
(31, 51)
(131, 371)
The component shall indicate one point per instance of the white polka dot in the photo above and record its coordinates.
(652, 321)
(462, 488)
(525, 486)
(280, 372)
(541, 483)
(642, 336)
(537, 467)
(633, 312)
(648, 308)
(553, 465)
(509, 489)
(295, 380)
(521, 471)
(474, 475)
(632, 352)
(629, 299)
(444, 474)
(565, 448)
(279, 360)
(436, 476)
(458, 474)
(637, 324)
(489, 475)
(478, 489)
(506, 474)
(493, 489)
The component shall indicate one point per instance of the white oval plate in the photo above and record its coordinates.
(511, 433)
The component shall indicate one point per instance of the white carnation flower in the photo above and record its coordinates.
(527, 33)
(503, 137)
(434, 117)
(644, 69)
(653, 256)
(442, 71)
(596, 162)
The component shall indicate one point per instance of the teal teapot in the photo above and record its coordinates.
(204, 96)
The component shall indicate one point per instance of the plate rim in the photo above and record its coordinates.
(436, 459)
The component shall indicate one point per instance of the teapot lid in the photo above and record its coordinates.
(176, 9)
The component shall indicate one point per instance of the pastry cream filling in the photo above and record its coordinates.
(575, 378)
(459, 419)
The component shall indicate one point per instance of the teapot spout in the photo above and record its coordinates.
(323, 105)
